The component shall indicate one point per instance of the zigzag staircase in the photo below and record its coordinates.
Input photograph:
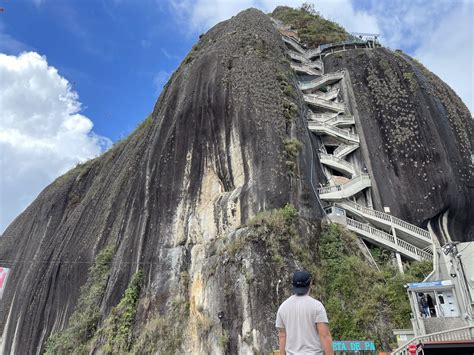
(329, 118)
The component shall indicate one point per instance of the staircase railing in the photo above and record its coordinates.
(314, 125)
(321, 80)
(294, 44)
(320, 102)
(321, 117)
(297, 56)
(330, 95)
(343, 147)
(463, 333)
(311, 53)
(305, 68)
(347, 185)
(341, 119)
(389, 218)
(397, 243)
(343, 162)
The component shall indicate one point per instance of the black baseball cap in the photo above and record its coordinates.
(301, 282)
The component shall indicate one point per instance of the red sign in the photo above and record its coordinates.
(3, 279)
(412, 348)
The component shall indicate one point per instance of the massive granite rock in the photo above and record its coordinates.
(226, 140)
(417, 138)
(216, 150)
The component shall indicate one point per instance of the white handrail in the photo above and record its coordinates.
(389, 218)
(340, 118)
(342, 147)
(312, 53)
(297, 56)
(326, 77)
(314, 100)
(337, 160)
(353, 181)
(305, 68)
(330, 95)
(322, 117)
(463, 333)
(335, 130)
(291, 41)
(396, 243)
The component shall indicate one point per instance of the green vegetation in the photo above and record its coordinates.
(292, 149)
(73, 198)
(85, 319)
(290, 110)
(224, 339)
(277, 219)
(164, 332)
(361, 301)
(145, 123)
(117, 330)
(276, 228)
(312, 28)
(412, 83)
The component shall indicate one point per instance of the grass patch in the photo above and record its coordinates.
(312, 28)
(412, 83)
(224, 339)
(292, 149)
(361, 301)
(85, 319)
(290, 111)
(164, 332)
(117, 331)
(145, 123)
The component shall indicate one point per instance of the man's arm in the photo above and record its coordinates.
(325, 336)
(282, 340)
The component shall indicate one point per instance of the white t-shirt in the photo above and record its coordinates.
(298, 315)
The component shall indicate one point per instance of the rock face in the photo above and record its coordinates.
(419, 138)
(213, 153)
(226, 140)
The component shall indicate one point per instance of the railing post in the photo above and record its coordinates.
(397, 254)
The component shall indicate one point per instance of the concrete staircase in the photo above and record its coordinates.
(333, 131)
(345, 149)
(331, 121)
(387, 241)
(338, 164)
(330, 95)
(318, 102)
(343, 191)
(295, 56)
(320, 82)
(305, 69)
(404, 230)
(294, 44)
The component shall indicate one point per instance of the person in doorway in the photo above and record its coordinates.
(425, 310)
(302, 321)
(431, 306)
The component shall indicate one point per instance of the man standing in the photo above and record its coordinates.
(302, 321)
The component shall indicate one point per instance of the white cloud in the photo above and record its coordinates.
(200, 15)
(448, 51)
(438, 33)
(343, 12)
(42, 133)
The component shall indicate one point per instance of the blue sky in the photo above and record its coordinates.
(91, 70)
(112, 53)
